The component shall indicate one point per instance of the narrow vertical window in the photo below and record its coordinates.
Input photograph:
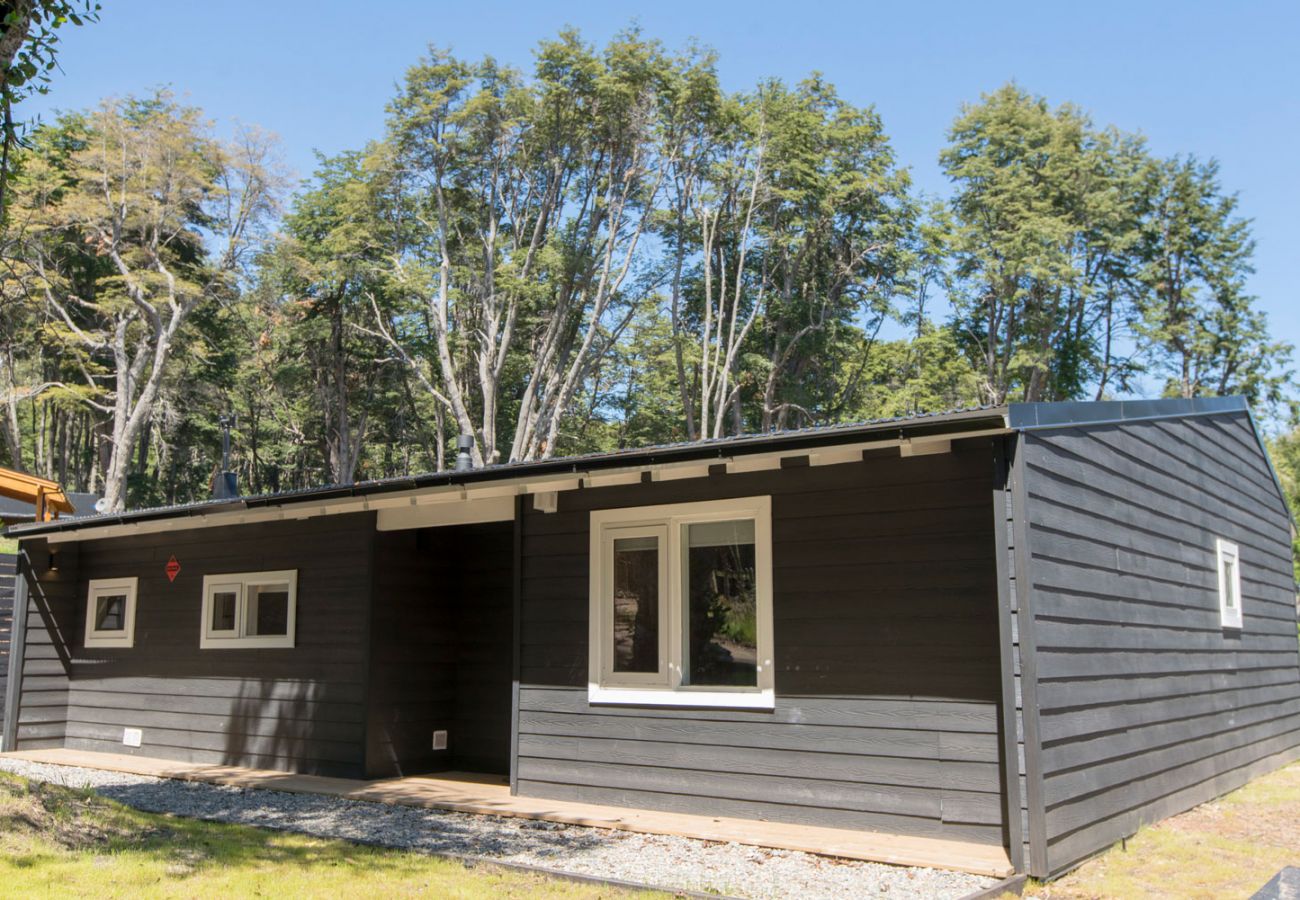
(721, 620)
(633, 587)
(1229, 571)
(636, 604)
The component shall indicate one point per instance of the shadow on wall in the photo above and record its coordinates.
(282, 724)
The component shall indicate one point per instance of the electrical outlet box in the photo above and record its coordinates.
(440, 740)
(132, 737)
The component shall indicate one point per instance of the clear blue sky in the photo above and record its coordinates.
(1214, 79)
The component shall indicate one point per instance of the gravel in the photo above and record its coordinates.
(671, 863)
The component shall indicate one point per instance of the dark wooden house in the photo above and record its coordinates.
(1037, 626)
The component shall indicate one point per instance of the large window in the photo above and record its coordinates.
(110, 612)
(249, 609)
(1229, 583)
(681, 604)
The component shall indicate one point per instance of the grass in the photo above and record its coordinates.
(1230, 847)
(8, 545)
(61, 842)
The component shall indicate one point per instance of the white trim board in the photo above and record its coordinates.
(510, 487)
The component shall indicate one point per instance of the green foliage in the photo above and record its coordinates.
(605, 250)
(1285, 453)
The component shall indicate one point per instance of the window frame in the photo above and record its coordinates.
(98, 587)
(1230, 615)
(666, 688)
(238, 639)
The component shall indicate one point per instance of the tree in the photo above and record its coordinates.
(151, 218)
(797, 227)
(1042, 226)
(521, 207)
(1199, 326)
(29, 36)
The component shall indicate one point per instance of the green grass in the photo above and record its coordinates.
(8, 545)
(61, 842)
(1230, 847)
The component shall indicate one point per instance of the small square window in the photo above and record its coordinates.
(110, 612)
(1229, 581)
(250, 609)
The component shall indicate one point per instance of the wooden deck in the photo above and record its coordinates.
(490, 795)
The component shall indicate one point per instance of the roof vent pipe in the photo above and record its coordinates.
(225, 486)
(464, 460)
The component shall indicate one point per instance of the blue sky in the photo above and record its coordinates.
(1214, 79)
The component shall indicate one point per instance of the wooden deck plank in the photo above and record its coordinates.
(489, 795)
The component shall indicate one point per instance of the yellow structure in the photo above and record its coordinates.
(46, 496)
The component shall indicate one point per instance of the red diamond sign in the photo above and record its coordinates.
(173, 569)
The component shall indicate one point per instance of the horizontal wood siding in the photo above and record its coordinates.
(887, 656)
(1147, 705)
(8, 566)
(299, 709)
(42, 707)
(441, 650)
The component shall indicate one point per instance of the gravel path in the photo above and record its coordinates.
(669, 862)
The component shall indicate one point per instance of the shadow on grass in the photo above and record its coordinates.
(371, 825)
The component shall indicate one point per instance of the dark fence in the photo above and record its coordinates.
(8, 563)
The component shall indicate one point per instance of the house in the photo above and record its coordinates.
(1035, 626)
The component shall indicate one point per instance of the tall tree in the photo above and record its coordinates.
(522, 209)
(1198, 323)
(150, 218)
(1042, 226)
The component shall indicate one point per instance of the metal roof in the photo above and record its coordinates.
(1015, 416)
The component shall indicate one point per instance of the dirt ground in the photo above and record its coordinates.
(1228, 848)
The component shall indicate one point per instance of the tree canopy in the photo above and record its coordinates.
(607, 249)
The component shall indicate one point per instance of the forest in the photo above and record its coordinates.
(605, 250)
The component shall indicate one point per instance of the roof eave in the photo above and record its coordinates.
(954, 424)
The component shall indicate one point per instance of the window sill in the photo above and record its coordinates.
(109, 643)
(614, 696)
(276, 643)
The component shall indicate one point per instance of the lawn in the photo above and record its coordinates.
(1228, 848)
(62, 842)
(8, 545)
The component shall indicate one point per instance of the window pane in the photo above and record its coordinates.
(721, 605)
(110, 612)
(1230, 582)
(636, 604)
(268, 609)
(224, 604)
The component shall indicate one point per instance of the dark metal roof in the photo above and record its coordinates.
(1027, 416)
(951, 422)
(1017, 416)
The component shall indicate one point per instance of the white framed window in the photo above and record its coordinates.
(681, 605)
(249, 609)
(1229, 583)
(110, 612)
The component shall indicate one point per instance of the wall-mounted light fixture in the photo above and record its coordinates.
(54, 561)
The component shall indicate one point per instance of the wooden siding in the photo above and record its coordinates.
(1146, 705)
(887, 654)
(8, 565)
(441, 638)
(299, 709)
